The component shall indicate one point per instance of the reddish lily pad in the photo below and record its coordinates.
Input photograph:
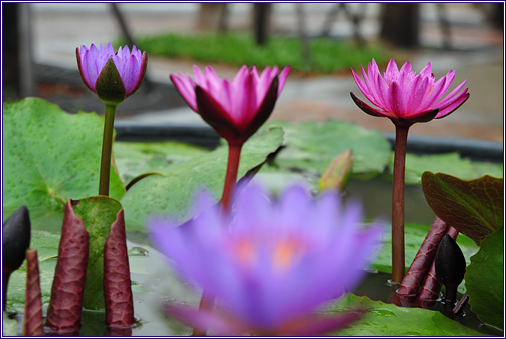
(473, 207)
(484, 280)
(49, 157)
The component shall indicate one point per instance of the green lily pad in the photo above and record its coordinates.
(172, 194)
(390, 320)
(135, 158)
(311, 146)
(98, 214)
(49, 157)
(9, 326)
(46, 244)
(450, 163)
(484, 280)
(474, 207)
(414, 237)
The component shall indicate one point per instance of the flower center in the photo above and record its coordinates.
(282, 253)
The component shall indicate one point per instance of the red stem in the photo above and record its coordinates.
(398, 266)
(234, 155)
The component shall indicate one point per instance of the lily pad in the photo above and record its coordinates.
(484, 280)
(311, 146)
(49, 157)
(46, 244)
(135, 158)
(450, 163)
(98, 214)
(389, 320)
(414, 237)
(172, 194)
(473, 207)
(9, 326)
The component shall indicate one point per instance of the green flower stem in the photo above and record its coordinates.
(105, 166)
(401, 139)
(234, 156)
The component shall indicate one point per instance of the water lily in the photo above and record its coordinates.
(234, 109)
(271, 265)
(113, 76)
(405, 97)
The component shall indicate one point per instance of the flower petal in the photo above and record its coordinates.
(369, 110)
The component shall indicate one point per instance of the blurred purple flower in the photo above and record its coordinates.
(234, 109)
(275, 263)
(108, 82)
(405, 97)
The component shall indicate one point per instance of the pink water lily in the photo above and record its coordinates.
(270, 264)
(234, 109)
(97, 72)
(406, 97)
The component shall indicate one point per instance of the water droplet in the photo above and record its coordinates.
(138, 251)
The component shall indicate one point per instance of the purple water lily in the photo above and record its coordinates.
(272, 264)
(97, 73)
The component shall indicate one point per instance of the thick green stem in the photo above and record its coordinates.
(105, 166)
(234, 155)
(398, 269)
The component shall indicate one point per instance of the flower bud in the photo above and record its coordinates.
(338, 173)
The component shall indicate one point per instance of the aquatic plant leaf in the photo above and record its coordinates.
(119, 303)
(135, 158)
(172, 194)
(414, 237)
(46, 244)
(32, 317)
(419, 268)
(484, 280)
(449, 163)
(98, 214)
(68, 288)
(389, 320)
(50, 156)
(311, 146)
(473, 207)
(10, 326)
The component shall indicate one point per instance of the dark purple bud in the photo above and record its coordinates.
(16, 238)
(450, 266)
(16, 232)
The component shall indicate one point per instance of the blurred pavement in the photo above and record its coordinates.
(476, 55)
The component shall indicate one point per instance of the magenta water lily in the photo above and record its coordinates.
(406, 97)
(273, 264)
(113, 76)
(234, 109)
